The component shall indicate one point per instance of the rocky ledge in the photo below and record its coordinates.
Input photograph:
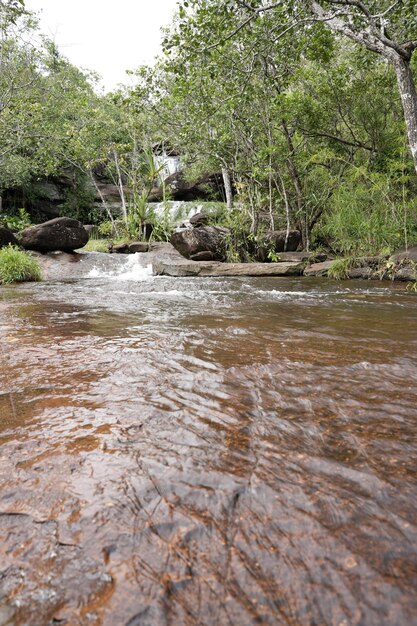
(215, 268)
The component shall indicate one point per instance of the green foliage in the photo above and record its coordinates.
(96, 245)
(308, 125)
(369, 217)
(273, 256)
(163, 224)
(113, 230)
(79, 199)
(18, 221)
(339, 269)
(17, 266)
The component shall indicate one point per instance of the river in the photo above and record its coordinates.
(208, 452)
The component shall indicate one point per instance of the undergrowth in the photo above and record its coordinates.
(17, 266)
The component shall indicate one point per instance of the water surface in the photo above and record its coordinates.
(208, 451)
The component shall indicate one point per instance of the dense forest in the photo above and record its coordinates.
(307, 110)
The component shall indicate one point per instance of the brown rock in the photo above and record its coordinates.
(191, 241)
(205, 255)
(364, 273)
(119, 248)
(277, 238)
(410, 255)
(199, 219)
(6, 237)
(318, 269)
(62, 233)
(206, 268)
(138, 246)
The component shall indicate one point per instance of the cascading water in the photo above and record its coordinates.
(176, 212)
(124, 267)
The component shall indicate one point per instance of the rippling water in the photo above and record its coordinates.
(208, 451)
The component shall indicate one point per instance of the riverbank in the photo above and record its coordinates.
(166, 261)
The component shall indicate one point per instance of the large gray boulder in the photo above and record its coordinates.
(62, 233)
(209, 239)
(277, 239)
(6, 237)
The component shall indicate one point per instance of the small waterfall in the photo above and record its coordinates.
(63, 266)
(177, 212)
(121, 267)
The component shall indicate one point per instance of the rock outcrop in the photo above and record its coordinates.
(191, 268)
(206, 187)
(280, 243)
(208, 239)
(199, 219)
(6, 237)
(62, 233)
(318, 269)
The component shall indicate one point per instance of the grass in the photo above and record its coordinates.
(96, 245)
(16, 266)
(339, 269)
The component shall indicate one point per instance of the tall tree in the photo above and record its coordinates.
(387, 28)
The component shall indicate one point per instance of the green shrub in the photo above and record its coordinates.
(97, 245)
(339, 269)
(369, 219)
(112, 229)
(18, 221)
(17, 266)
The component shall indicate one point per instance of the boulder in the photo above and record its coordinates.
(205, 255)
(364, 273)
(62, 233)
(277, 238)
(119, 248)
(406, 272)
(207, 187)
(6, 237)
(199, 219)
(409, 255)
(203, 239)
(138, 246)
(318, 269)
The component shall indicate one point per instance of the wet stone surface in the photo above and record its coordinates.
(210, 451)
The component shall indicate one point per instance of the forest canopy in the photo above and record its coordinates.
(307, 109)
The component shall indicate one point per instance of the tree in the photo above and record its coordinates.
(387, 28)
(294, 118)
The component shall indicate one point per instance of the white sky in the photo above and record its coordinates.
(108, 37)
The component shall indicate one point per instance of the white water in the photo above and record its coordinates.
(131, 269)
(178, 212)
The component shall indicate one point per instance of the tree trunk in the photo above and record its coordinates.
(121, 189)
(408, 95)
(227, 187)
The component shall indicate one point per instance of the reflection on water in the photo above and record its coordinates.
(209, 452)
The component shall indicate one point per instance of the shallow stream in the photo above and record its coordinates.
(208, 451)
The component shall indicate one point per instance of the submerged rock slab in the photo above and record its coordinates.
(208, 268)
(318, 269)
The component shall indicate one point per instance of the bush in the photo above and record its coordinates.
(97, 245)
(18, 221)
(17, 266)
(339, 269)
(369, 219)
